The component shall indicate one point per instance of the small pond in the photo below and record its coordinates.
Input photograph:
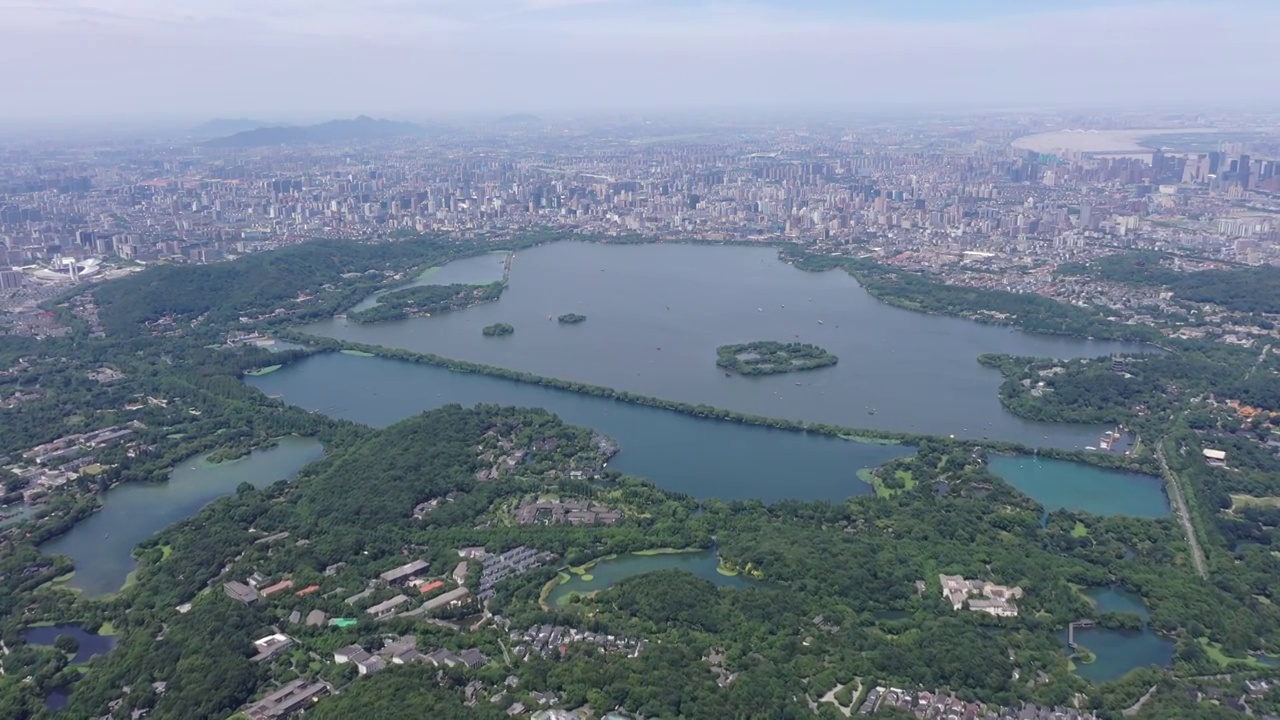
(1119, 652)
(91, 644)
(1063, 485)
(607, 573)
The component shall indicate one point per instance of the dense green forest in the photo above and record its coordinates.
(768, 357)
(497, 330)
(570, 319)
(851, 562)
(1132, 388)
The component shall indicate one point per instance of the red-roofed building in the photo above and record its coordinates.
(428, 587)
(307, 590)
(282, 585)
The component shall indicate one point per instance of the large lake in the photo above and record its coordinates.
(656, 313)
(705, 458)
(101, 545)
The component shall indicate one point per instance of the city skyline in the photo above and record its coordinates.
(285, 60)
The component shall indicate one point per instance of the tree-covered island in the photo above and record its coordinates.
(571, 319)
(498, 330)
(767, 357)
(427, 300)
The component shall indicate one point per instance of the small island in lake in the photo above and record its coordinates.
(766, 357)
(427, 300)
(571, 319)
(497, 330)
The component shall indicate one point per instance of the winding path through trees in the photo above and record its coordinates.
(1180, 509)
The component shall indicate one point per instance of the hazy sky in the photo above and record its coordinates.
(295, 59)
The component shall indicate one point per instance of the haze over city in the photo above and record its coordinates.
(639, 359)
(293, 60)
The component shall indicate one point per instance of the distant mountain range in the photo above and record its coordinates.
(221, 127)
(361, 128)
(521, 120)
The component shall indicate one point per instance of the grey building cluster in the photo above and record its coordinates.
(573, 512)
(292, 697)
(513, 562)
(404, 651)
(547, 641)
(937, 706)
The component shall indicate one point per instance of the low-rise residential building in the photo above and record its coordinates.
(927, 705)
(241, 592)
(292, 697)
(405, 572)
(551, 641)
(572, 512)
(444, 599)
(277, 587)
(992, 599)
(513, 562)
(387, 608)
(271, 646)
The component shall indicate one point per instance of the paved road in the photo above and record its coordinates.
(1180, 509)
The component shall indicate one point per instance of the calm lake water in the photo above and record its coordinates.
(101, 545)
(656, 313)
(1058, 484)
(1119, 652)
(91, 644)
(607, 573)
(705, 458)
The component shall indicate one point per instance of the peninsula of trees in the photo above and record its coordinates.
(497, 330)
(427, 300)
(571, 318)
(767, 357)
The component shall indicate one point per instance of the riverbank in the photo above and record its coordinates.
(263, 371)
(667, 551)
(729, 569)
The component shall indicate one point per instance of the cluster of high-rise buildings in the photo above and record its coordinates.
(923, 185)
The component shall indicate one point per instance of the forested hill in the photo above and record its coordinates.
(302, 282)
(357, 129)
(356, 508)
(261, 281)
